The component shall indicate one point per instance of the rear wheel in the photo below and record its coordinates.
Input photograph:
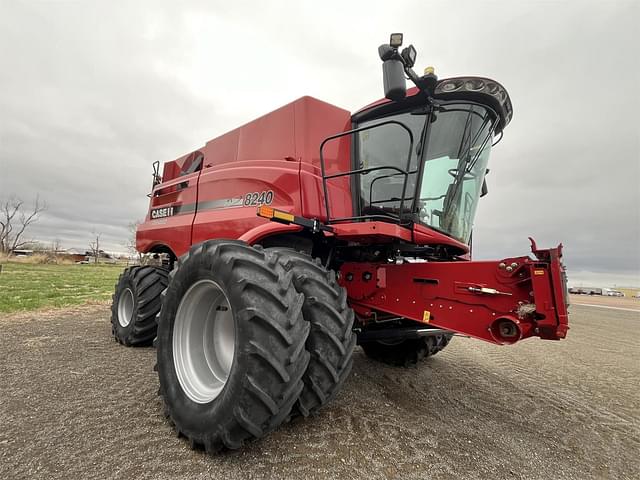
(136, 302)
(230, 344)
(331, 340)
(404, 353)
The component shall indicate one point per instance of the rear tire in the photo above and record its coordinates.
(136, 302)
(406, 352)
(331, 340)
(260, 383)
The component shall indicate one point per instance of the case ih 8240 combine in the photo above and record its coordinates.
(362, 235)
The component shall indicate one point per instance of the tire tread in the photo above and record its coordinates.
(331, 341)
(147, 284)
(273, 353)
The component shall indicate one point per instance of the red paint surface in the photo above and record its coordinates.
(277, 152)
(442, 289)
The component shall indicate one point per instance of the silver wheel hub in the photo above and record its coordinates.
(203, 341)
(125, 307)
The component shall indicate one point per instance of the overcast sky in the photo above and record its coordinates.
(91, 93)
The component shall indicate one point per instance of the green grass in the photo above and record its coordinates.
(28, 286)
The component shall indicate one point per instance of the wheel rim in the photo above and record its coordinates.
(125, 307)
(203, 341)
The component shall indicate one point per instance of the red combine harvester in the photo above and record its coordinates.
(362, 234)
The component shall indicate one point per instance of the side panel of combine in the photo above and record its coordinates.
(261, 163)
(229, 195)
(322, 120)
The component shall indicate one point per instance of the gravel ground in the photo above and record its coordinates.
(74, 404)
(606, 301)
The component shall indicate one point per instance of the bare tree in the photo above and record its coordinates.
(34, 245)
(130, 244)
(56, 246)
(14, 221)
(94, 246)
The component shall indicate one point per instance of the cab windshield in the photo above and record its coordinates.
(445, 159)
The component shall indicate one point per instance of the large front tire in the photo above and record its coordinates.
(331, 340)
(136, 302)
(230, 344)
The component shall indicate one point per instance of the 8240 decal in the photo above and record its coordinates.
(258, 198)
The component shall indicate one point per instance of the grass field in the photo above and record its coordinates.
(28, 286)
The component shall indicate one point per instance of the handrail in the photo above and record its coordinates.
(326, 177)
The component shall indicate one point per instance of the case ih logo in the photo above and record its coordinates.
(162, 212)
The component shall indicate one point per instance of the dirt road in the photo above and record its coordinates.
(73, 404)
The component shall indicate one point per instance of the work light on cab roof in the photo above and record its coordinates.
(398, 64)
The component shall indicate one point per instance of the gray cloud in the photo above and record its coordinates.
(92, 93)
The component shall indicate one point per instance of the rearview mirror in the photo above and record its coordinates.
(395, 85)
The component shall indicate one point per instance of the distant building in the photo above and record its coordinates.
(586, 290)
(73, 254)
(629, 292)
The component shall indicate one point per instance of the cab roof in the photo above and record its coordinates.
(471, 89)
